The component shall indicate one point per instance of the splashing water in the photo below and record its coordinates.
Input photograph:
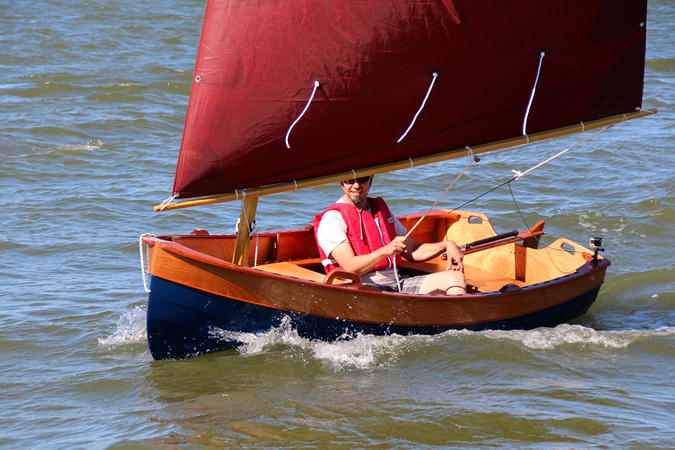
(130, 329)
(359, 351)
(89, 146)
(548, 338)
(366, 351)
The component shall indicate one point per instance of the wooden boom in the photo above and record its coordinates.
(419, 161)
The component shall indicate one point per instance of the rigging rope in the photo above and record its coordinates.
(431, 85)
(140, 249)
(311, 97)
(534, 88)
(473, 159)
(166, 202)
(518, 174)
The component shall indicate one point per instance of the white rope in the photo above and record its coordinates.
(518, 174)
(411, 161)
(354, 173)
(473, 159)
(431, 85)
(166, 202)
(311, 97)
(140, 250)
(534, 88)
(295, 183)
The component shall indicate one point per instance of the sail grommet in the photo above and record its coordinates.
(198, 78)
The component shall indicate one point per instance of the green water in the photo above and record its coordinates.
(92, 103)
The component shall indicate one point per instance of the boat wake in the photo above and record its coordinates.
(89, 146)
(357, 351)
(565, 334)
(130, 329)
(367, 351)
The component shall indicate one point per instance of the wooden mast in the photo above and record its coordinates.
(249, 205)
(418, 161)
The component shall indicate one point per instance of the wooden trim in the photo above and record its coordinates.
(249, 206)
(418, 161)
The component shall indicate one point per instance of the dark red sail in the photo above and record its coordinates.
(258, 61)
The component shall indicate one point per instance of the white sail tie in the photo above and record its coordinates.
(140, 250)
(166, 202)
(518, 174)
(311, 97)
(431, 85)
(529, 104)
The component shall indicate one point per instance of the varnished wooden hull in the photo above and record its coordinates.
(197, 300)
(184, 322)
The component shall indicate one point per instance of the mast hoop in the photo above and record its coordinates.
(311, 97)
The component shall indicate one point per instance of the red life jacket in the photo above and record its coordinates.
(362, 232)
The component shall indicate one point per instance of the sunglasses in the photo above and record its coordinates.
(361, 180)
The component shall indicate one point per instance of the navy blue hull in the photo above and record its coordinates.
(184, 322)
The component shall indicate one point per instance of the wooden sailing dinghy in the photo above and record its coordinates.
(292, 94)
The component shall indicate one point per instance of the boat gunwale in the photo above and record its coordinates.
(188, 253)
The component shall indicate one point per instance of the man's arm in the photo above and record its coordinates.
(423, 252)
(349, 261)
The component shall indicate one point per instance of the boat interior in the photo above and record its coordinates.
(504, 266)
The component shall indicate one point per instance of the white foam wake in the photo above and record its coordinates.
(364, 351)
(130, 329)
(89, 146)
(548, 338)
(359, 351)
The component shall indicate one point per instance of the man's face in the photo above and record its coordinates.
(357, 190)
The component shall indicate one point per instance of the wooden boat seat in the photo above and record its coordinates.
(292, 270)
(479, 280)
(295, 269)
(486, 281)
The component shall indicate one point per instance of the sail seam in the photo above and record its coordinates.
(311, 97)
(426, 97)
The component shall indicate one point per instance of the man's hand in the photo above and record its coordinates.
(455, 256)
(395, 246)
